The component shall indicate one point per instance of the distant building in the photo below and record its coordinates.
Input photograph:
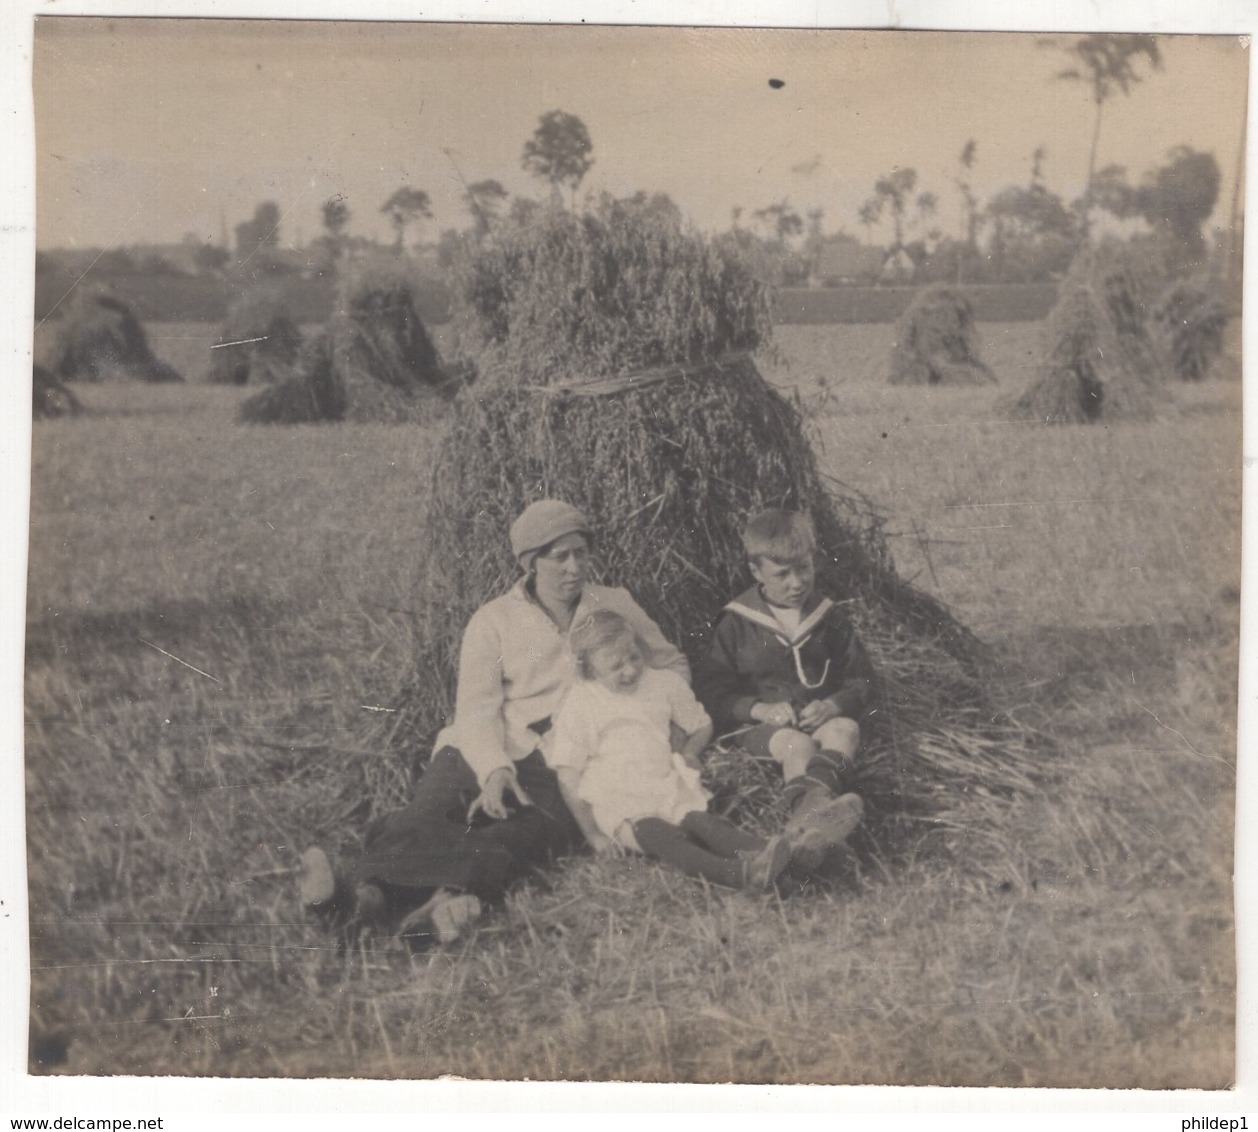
(842, 263)
(168, 259)
(898, 267)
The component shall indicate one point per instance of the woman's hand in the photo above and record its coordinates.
(492, 800)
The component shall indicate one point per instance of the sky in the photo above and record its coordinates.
(147, 130)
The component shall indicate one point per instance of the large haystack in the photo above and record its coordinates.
(936, 341)
(49, 398)
(259, 342)
(668, 461)
(373, 362)
(100, 339)
(1189, 320)
(1100, 362)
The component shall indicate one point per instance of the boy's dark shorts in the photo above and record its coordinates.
(755, 740)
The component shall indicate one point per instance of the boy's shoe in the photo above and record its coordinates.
(444, 918)
(317, 882)
(762, 869)
(820, 823)
(344, 910)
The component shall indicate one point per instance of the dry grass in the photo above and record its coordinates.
(1078, 936)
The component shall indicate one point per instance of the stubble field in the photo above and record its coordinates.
(218, 617)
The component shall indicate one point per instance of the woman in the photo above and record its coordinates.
(487, 810)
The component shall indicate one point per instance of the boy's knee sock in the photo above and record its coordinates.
(719, 834)
(669, 843)
(830, 769)
(833, 769)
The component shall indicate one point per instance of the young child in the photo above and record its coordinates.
(786, 668)
(620, 777)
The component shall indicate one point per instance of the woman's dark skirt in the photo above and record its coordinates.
(430, 844)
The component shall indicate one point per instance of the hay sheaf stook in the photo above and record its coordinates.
(668, 461)
(373, 362)
(936, 341)
(1100, 361)
(100, 339)
(49, 398)
(259, 343)
(1190, 320)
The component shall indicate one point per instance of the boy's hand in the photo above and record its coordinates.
(780, 715)
(816, 713)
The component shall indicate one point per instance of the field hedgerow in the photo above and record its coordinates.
(210, 664)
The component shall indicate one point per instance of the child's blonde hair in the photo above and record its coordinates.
(600, 630)
(783, 536)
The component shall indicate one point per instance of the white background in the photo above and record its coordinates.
(196, 1105)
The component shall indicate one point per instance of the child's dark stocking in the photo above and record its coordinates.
(720, 834)
(670, 844)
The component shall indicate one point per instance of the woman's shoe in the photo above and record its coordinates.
(445, 918)
(317, 882)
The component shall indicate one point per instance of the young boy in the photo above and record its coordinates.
(786, 668)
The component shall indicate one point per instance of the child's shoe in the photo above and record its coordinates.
(762, 869)
(820, 823)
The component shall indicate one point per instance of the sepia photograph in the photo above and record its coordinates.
(634, 554)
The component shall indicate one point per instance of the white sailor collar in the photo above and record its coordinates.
(751, 606)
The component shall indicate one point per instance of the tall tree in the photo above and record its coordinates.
(780, 221)
(1037, 165)
(965, 186)
(559, 151)
(523, 211)
(868, 215)
(1034, 233)
(1106, 64)
(403, 208)
(335, 216)
(969, 205)
(658, 206)
(814, 238)
(894, 194)
(1174, 199)
(262, 231)
(1180, 196)
(485, 200)
(266, 222)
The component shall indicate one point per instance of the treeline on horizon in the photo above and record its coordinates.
(1023, 233)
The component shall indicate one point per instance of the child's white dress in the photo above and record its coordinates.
(620, 744)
